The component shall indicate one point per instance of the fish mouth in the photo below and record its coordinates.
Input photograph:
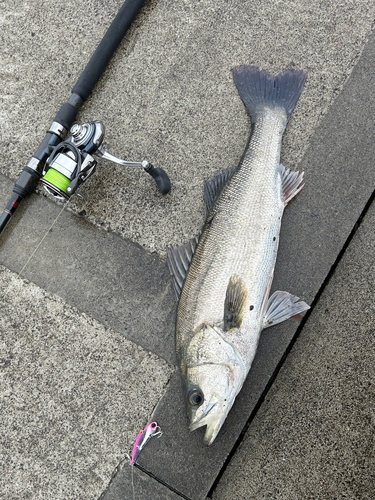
(214, 421)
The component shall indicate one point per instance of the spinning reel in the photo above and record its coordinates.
(62, 164)
(72, 162)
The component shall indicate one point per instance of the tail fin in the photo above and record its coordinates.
(258, 88)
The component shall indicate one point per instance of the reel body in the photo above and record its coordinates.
(71, 162)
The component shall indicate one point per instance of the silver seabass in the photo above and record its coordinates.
(223, 278)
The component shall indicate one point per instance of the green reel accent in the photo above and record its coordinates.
(57, 180)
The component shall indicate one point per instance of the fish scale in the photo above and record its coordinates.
(224, 303)
(239, 239)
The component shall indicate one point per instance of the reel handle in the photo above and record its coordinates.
(161, 178)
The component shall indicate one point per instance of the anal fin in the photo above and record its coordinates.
(291, 183)
(282, 306)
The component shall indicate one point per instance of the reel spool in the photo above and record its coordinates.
(71, 162)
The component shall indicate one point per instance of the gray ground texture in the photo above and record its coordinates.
(313, 437)
(86, 333)
(168, 94)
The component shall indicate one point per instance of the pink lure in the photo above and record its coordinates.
(143, 438)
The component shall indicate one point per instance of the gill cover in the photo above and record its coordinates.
(214, 373)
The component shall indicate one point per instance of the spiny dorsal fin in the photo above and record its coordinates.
(214, 187)
(235, 303)
(290, 183)
(179, 259)
(282, 306)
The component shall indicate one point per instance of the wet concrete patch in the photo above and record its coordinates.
(109, 278)
(313, 437)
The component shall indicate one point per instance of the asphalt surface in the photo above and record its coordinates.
(87, 354)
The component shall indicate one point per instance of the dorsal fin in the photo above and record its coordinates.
(235, 303)
(179, 259)
(214, 187)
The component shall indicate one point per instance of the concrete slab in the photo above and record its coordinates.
(74, 396)
(195, 125)
(313, 437)
(109, 278)
(168, 95)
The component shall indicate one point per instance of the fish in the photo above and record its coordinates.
(223, 277)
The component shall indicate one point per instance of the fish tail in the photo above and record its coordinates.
(258, 89)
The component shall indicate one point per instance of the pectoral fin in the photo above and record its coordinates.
(235, 303)
(282, 306)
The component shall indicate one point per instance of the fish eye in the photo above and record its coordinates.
(195, 397)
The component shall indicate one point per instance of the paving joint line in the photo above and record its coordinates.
(114, 474)
(291, 344)
(162, 482)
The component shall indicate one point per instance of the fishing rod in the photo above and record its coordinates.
(63, 165)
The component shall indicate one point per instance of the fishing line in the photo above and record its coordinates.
(132, 481)
(10, 287)
(127, 457)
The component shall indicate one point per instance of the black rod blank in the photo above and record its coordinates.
(107, 47)
(30, 176)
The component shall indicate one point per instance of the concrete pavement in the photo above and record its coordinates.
(67, 395)
(313, 436)
(167, 96)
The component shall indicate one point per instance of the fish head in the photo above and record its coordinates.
(213, 372)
